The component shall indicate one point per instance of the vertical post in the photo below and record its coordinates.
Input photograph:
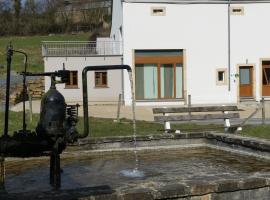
(55, 172)
(9, 58)
(51, 169)
(119, 107)
(30, 105)
(189, 105)
(2, 171)
(263, 110)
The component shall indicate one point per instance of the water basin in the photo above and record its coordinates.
(187, 164)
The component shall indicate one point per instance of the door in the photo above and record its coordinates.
(245, 81)
(265, 78)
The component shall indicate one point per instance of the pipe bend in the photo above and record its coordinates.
(85, 91)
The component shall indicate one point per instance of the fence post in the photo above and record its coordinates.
(189, 105)
(30, 105)
(263, 110)
(119, 107)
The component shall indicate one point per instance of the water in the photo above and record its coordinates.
(158, 166)
(132, 173)
(135, 172)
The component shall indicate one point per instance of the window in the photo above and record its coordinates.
(158, 11)
(221, 76)
(101, 79)
(73, 80)
(266, 72)
(237, 10)
(158, 74)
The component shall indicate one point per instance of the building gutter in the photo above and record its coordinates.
(229, 45)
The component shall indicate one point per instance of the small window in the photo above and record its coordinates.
(73, 80)
(221, 76)
(158, 11)
(101, 79)
(237, 10)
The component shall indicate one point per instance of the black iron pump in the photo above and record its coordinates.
(57, 125)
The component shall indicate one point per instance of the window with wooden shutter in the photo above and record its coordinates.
(73, 80)
(101, 79)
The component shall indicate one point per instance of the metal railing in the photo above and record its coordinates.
(78, 49)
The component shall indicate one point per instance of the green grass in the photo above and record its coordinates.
(99, 127)
(106, 127)
(260, 131)
(32, 46)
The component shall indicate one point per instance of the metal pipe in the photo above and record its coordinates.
(9, 58)
(229, 45)
(24, 85)
(85, 91)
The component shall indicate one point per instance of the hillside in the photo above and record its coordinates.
(32, 46)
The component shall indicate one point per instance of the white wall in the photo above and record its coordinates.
(96, 95)
(117, 19)
(199, 29)
(250, 39)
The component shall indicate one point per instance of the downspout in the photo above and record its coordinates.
(229, 45)
(85, 91)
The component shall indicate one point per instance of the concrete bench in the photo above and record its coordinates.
(181, 114)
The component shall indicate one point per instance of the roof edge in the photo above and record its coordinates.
(198, 1)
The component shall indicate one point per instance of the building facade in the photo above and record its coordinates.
(218, 52)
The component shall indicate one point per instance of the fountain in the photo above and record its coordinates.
(203, 165)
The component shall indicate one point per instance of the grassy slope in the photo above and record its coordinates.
(106, 127)
(32, 46)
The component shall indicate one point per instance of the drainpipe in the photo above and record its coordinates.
(229, 45)
(85, 91)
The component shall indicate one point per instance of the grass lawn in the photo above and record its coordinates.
(106, 127)
(32, 46)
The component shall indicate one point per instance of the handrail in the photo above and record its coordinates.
(81, 48)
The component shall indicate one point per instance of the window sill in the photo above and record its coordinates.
(100, 87)
(71, 87)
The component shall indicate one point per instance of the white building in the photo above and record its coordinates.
(216, 51)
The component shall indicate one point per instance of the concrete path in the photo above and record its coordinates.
(143, 112)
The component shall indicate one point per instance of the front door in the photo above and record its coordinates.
(265, 78)
(246, 81)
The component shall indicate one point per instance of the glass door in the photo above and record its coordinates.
(167, 81)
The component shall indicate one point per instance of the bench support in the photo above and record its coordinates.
(167, 124)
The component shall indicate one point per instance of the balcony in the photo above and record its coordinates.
(81, 49)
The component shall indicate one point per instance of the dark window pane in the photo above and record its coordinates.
(266, 76)
(221, 76)
(139, 79)
(104, 78)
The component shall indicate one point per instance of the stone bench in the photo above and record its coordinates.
(182, 114)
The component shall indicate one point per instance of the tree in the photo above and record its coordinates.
(17, 8)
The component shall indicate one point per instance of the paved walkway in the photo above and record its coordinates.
(142, 112)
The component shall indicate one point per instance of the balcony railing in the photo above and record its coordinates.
(78, 49)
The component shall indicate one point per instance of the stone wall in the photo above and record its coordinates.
(36, 90)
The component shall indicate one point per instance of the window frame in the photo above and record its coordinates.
(161, 60)
(224, 82)
(71, 85)
(163, 9)
(101, 77)
(234, 12)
